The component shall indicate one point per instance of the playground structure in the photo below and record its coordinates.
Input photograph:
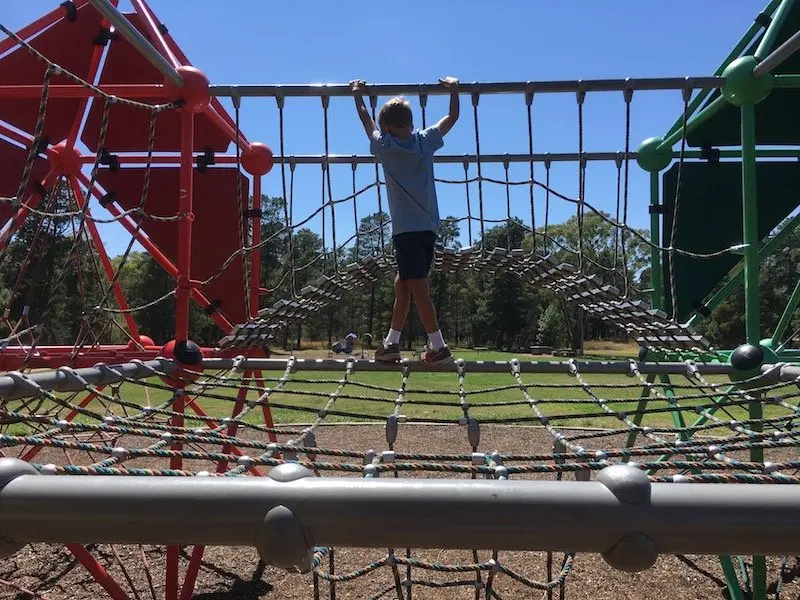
(163, 113)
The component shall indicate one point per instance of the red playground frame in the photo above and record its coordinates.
(190, 179)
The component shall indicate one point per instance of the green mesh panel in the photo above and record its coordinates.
(710, 218)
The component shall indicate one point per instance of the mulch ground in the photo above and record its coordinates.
(51, 572)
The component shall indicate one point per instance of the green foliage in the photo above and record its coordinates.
(551, 327)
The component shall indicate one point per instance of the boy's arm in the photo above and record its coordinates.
(357, 86)
(446, 123)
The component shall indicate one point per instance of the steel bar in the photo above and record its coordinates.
(14, 386)
(138, 41)
(540, 157)
(776, 58)
(515, 87)
(620, 508)
(478, 366)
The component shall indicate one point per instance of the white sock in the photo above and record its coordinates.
(436, 340)
(392, 338)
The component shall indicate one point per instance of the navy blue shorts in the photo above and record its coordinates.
(414, 254)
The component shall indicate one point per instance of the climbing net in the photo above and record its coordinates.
(680, 422)
(498, 219)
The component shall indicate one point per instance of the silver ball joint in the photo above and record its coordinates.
(634, 551)
(10, 469)
(281, 541)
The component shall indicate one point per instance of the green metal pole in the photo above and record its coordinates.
(691, 124)
(737, 275)
(767, 43)
(738, 49)
(751, 293)
(637, 418)
(655, 253)
(787, 81)
(750, 223)
(786, 317)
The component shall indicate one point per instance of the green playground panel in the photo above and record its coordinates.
(710, 219)
(775, 124)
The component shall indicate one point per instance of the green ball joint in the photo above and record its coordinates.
(652, 157)
(741, 86)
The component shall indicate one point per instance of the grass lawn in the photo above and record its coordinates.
(372, 396)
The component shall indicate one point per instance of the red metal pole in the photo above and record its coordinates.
(38, 25)
(97, 54)
(15, 136)
(185, 227)
(153, 32)
(97, 571)
(141, 159)
(226, 128)
(107, 266)
(19, 217)
(215, 103)
(157, 255)
(123, 90)
(255, 262)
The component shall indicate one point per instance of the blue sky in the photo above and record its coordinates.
(249, 41)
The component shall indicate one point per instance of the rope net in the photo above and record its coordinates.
(686, 428)
(493, 224)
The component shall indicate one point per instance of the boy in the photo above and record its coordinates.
(407, 159)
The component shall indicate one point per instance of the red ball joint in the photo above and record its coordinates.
(65, 159)
(194, 94)
(189, 359)
(257, 159)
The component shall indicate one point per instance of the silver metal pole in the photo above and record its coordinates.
(363, 159)
(778, 56)
(621, 514)
(478, 366)
(544, 87)
(138, 41)
(17, 385)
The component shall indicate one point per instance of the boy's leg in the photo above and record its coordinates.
(389, 349)
(437, 350)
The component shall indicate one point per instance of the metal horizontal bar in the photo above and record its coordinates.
(541, 157)
(621, 514)
(138, 41)
(787, 81)
(16, 385)
(514, 87)
(477, 366)
(363, 159)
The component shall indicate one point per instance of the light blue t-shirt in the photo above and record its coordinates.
(408, 167)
